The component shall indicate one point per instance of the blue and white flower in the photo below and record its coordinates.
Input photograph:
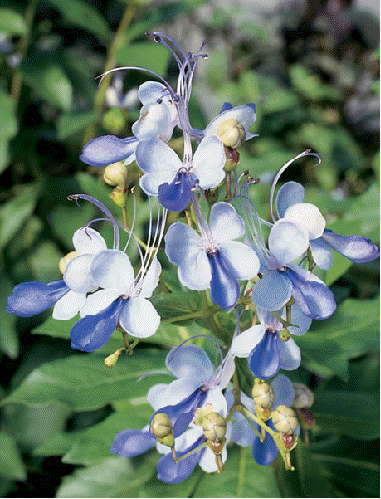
(68, 295)
(262, 345)
(213, 259)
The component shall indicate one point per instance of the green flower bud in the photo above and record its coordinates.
(119, 197)
(284, 419)
(161, 427)
(263, 394)
(112, 359)
(116, 175)
(304, 398)
(231, 133)
(214, 426)
(65, 260)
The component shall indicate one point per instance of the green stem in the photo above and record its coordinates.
(117, 43)
(184, 317)
(23, 48)
(259, 421)
(191, 452)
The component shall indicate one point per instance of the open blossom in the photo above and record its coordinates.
(197, 384)
(69, 294)
(265, 350)
(290, 205)
(213, 259)
(122, 300)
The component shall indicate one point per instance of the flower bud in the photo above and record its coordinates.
(306, 418)
(116, 175)
(231, 133)
(65, 260)
(284, 419)
(111, 360)
(284, 335)
(161, 427)
(263, 394)
(304, 398)
(214, 426)
(119, 197)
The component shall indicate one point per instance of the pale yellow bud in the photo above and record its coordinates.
(161, 427)
(118, 195)
(304, 398)
(231, 133)
(116, 175)
(111, 360)
(284, 419)
(214, 426)
(263, 394)
(65, 260)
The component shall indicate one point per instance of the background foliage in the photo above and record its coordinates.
(312, 68)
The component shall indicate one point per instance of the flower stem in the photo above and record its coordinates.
(191, 452)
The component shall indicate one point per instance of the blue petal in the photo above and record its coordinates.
(314, 298)
(177, 195)
(273, 291)
(108, 149)
(225, 107)
(32, 298)
(170, 471)
(93, 331)
(289, 194)
(264, 359)
(358, 249)
(321, 252)
(224, 288)
(130, 443)
(182, 414)
(265, 452)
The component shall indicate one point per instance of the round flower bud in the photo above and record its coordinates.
(116, 175)
(161, 425)
(231, 133)
(284, 419)
(309, 215)
(214, 427)
(65, 260)
(304, 398)
(263, 394)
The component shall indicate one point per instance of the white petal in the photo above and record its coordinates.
(151, 91)
(289, 355)
(139, 317)
(208, 460)
(208, 162)
(290, 193)
(244, 343)
(243, 261)
(243, 114)
(288, 240)
(309, 216)
(218, 401)
(189, 361)
(150, 182)
(112, 269)
(155, 394)
(225, 223)
(98, 301)
(68, 306)
(88, 240)
(190, 241)
(154, 121)
(176, 391)
(322, 253)
(194, 272)
(151, 279)
(155, 156)
(77, 273)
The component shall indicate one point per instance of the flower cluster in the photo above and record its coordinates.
(222, 248)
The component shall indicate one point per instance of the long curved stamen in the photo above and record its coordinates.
(284, 167)
(163, 39)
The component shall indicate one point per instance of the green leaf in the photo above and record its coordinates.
(48, 79)
(179, 306)
(347, 413)
(57, 329)
(44, 262)
(17, 211)
(57, 445)
(145, 55)
(84, 15)
(242, 477)
(10, 461)
(70, 124)
(8, 333)
(8, 124)
(311, 86)
(112, 477)
(83, 382)
(93, 444)
(12, 22)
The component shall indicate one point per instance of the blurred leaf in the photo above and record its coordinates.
(10, 460)
(8, 333)
(242, 477)
(44, 262)
(12, 22)
(57, 445)
(84, 15)
(112, 477)
(347, 413)
(311, 86)
(177, 306)
(17, 211)
(48, 80)
(84, 382)
(70, 124)
(146, 55)
(93, 445)
(8, 124)
(65, 220)
(57, 329)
